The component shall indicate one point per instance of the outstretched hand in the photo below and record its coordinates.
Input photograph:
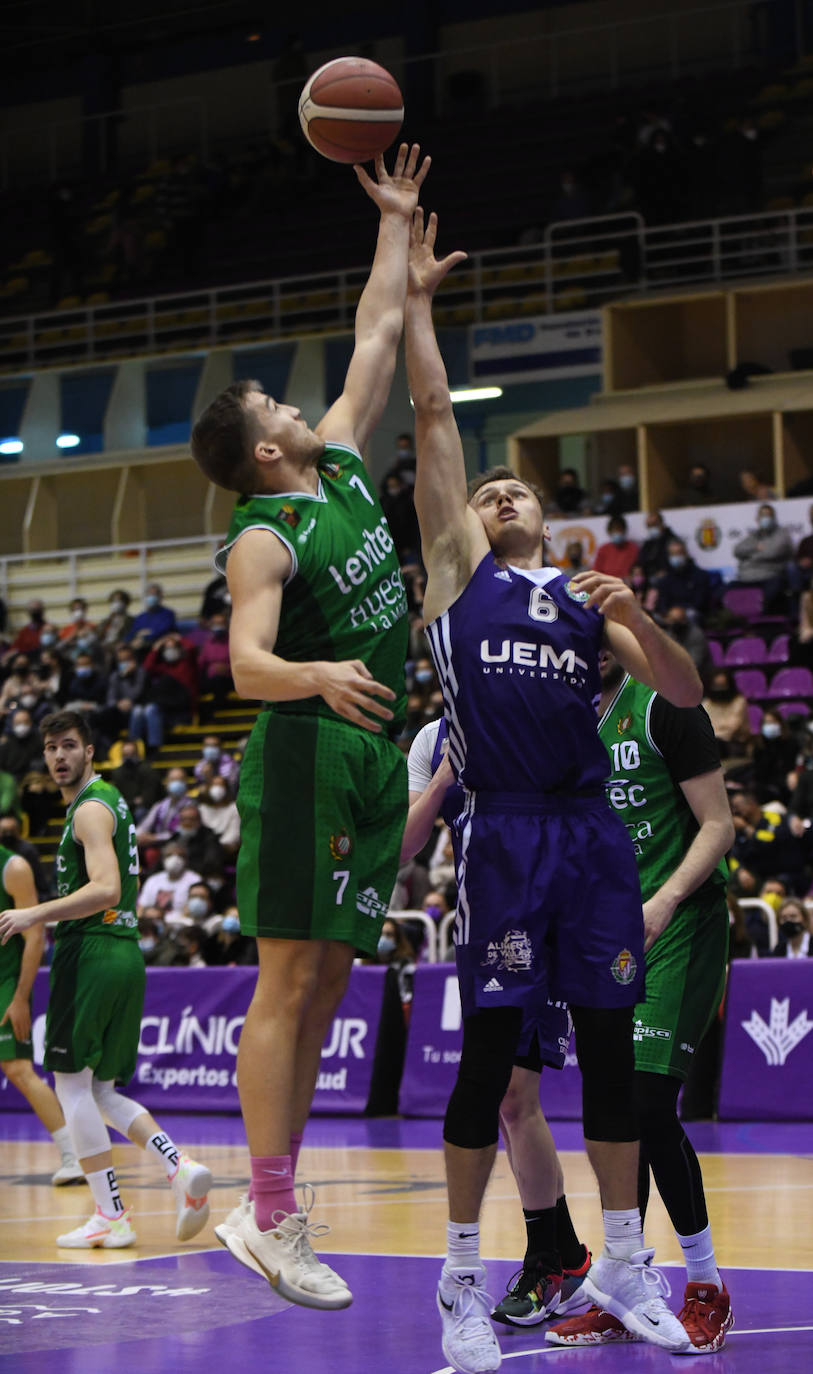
(426, 272)
(396, 194)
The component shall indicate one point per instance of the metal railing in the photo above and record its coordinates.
(534, 65)
(583, 263)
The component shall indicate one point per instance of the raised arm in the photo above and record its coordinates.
(257, 569)
(452, 537)
(380, 311)
(641, 646)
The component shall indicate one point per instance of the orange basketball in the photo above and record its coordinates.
(351, 109)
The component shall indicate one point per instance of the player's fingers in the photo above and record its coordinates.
(431, 230)
(363, 176)
(352, 713)
(375, 708)
(420, 176)
(361, 668)
(377, 689)
(452, 259)
(400, 159)
(412, 160)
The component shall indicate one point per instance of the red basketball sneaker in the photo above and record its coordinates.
(706, 1315)
(593, 1327)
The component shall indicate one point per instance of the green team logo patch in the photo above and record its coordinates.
(624, 967)
(575, 594)
(331, 470)
(340, 845)
(289, 515)
(624, 723)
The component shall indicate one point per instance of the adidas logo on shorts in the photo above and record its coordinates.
(493, 986)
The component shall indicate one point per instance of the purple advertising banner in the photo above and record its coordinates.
(768, 1046)
(433, 1053)
(189, 1033)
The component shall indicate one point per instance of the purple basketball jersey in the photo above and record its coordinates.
(517, 660)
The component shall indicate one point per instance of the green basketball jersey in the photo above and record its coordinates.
(641, 789)
(72, 874)
(11, 954)
(345, 596)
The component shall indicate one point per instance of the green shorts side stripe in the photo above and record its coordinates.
(685, 978)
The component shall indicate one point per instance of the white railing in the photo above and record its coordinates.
(534, 65)
(579, 264)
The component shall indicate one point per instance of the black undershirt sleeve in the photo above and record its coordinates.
(685, 739)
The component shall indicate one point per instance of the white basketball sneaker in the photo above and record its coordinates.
(465, 1307)
(100, 1232)
(284, 1256)
(633, 1291)
(191, 1183)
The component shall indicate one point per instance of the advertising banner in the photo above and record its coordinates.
(190, 1030)
(710, 532)
(768, 1046)
(433, 1053)
(541, 348)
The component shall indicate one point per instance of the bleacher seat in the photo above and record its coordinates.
(745, 650)
(779, 649)
(791, 682)
(717, 652)
(751, 682)
(746, 602)
(786, 709)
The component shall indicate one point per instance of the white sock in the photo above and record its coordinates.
(105, 1190)
(62, 1140)
(163, 1148)
(698, 1252)
(463, 1245)
(623, 1233)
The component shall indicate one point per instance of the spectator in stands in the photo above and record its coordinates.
(728, 711)
(149, 937)
(118, 622)
(153, 622)
(686, 631)
(627, 479)
(137, 780)
(214, 668)
(11, 837)
(698, 490)
(203, 848)
(52, 673)
(574, 560)
(765, 843)
(216, 598)
(570, 498)
(192, 941)
(77, 623)
(793, 920)
(125, 690)
(609, 500)
(773, 758)
(86, 687)
(21, 681)
(396, 952)
(755, 488)
(398, 504)
(763, 556)
(618, 556)
(215, 760)
(653, 555)
(572, 199)
(168, 889)
(218, 811)
(171, 680)
(161, 821)
(21, 747)
(683, 583)
(645, 593)
(228, 947)
(27, 639)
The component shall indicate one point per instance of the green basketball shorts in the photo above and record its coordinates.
(10, 1047)
(685, 977)
(95, 1006)
(322, 809)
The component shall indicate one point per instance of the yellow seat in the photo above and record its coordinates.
(68, 302)
(774, 94)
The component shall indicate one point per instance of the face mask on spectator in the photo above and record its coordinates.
(126, 665)
(790, 929)
(767, 523)
(677, 560)
(21, 730)
(176, 787)
(185, 832)
(86, 641)
(28, 699)
(219, 631)
(197, 907)
(231, 924)
(146, 944)
(174, 865)
(77, 613)
(211, 752)
(434, 911)
(626, 481)
(116, 606)
(151, 600)
(771, 730)
(618, 537)
(423, 675)
(84, 671)
(172, 655)
(386, 945)
(217, 794)
(47, 638)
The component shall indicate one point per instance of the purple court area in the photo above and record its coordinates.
(202, 1312)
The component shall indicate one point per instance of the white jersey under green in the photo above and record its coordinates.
(345, 595)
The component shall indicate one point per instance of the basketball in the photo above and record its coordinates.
(351, 109)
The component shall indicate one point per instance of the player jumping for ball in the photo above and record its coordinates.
(319, 634)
